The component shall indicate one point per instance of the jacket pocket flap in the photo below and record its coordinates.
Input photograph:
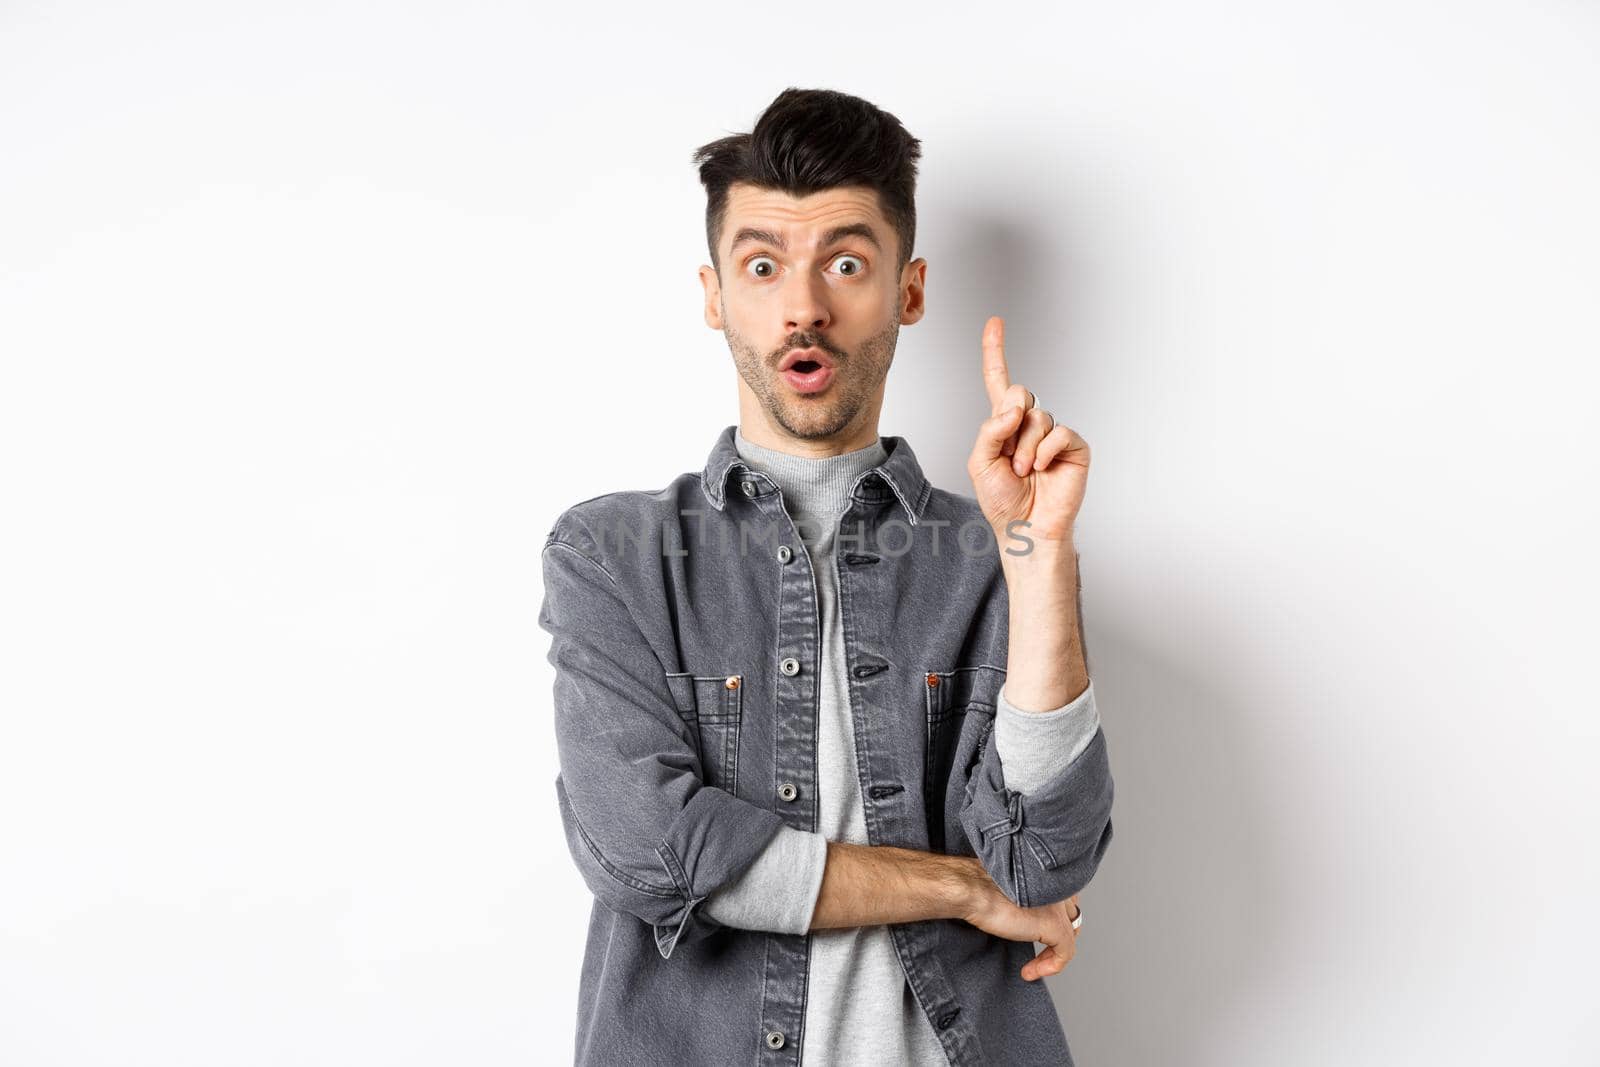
(707, 698)
(951, 692)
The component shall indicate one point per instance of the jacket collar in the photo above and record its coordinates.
(900, 472)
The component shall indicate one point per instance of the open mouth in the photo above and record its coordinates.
(809, 375)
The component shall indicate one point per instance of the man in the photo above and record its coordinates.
(830, 759)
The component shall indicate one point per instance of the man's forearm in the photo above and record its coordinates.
(1045, 661)
(868, 885)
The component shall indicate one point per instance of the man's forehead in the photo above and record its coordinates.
(798, 216)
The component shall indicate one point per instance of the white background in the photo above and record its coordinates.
(314, 316)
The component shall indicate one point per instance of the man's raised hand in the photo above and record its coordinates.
(1023, 465)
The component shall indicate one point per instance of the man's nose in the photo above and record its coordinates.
(806, 304)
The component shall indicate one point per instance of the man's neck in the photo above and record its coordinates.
(760, 432)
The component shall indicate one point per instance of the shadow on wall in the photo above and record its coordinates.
(1182, 918)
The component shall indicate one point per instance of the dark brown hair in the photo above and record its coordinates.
(808, 140)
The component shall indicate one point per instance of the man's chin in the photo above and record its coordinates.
(807, 419)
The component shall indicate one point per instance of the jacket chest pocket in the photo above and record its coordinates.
(711, 705)
(959, 705)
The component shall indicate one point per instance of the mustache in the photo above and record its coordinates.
(837, 354)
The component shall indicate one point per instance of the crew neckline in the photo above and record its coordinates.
(818, 487)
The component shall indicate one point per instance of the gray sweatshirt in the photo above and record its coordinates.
(859, 1007)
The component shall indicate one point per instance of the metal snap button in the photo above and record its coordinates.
(749, 488)
(787, 792)
(784, 555)
(933, 680)
(790, 666)
(732, 682)
(774, 1038)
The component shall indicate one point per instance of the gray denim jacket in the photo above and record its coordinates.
(685, 636)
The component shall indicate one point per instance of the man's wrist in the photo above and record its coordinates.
(1040, 554)
(964, 883)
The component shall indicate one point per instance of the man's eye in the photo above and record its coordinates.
(855, 263)
(755, 265)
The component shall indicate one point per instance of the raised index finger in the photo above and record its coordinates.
(996, 378)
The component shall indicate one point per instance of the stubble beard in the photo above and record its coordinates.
(856, 377)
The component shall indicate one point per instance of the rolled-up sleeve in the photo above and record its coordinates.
(648, 836)
(1035, 746)
(1045, 842)
(778, 892)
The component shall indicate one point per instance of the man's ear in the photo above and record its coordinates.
(713, 289)
(912, 291)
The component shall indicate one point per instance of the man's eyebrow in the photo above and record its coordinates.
(838, 233)
(854, 229)
(766, 237)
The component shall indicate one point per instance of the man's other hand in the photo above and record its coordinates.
(1050, 924)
